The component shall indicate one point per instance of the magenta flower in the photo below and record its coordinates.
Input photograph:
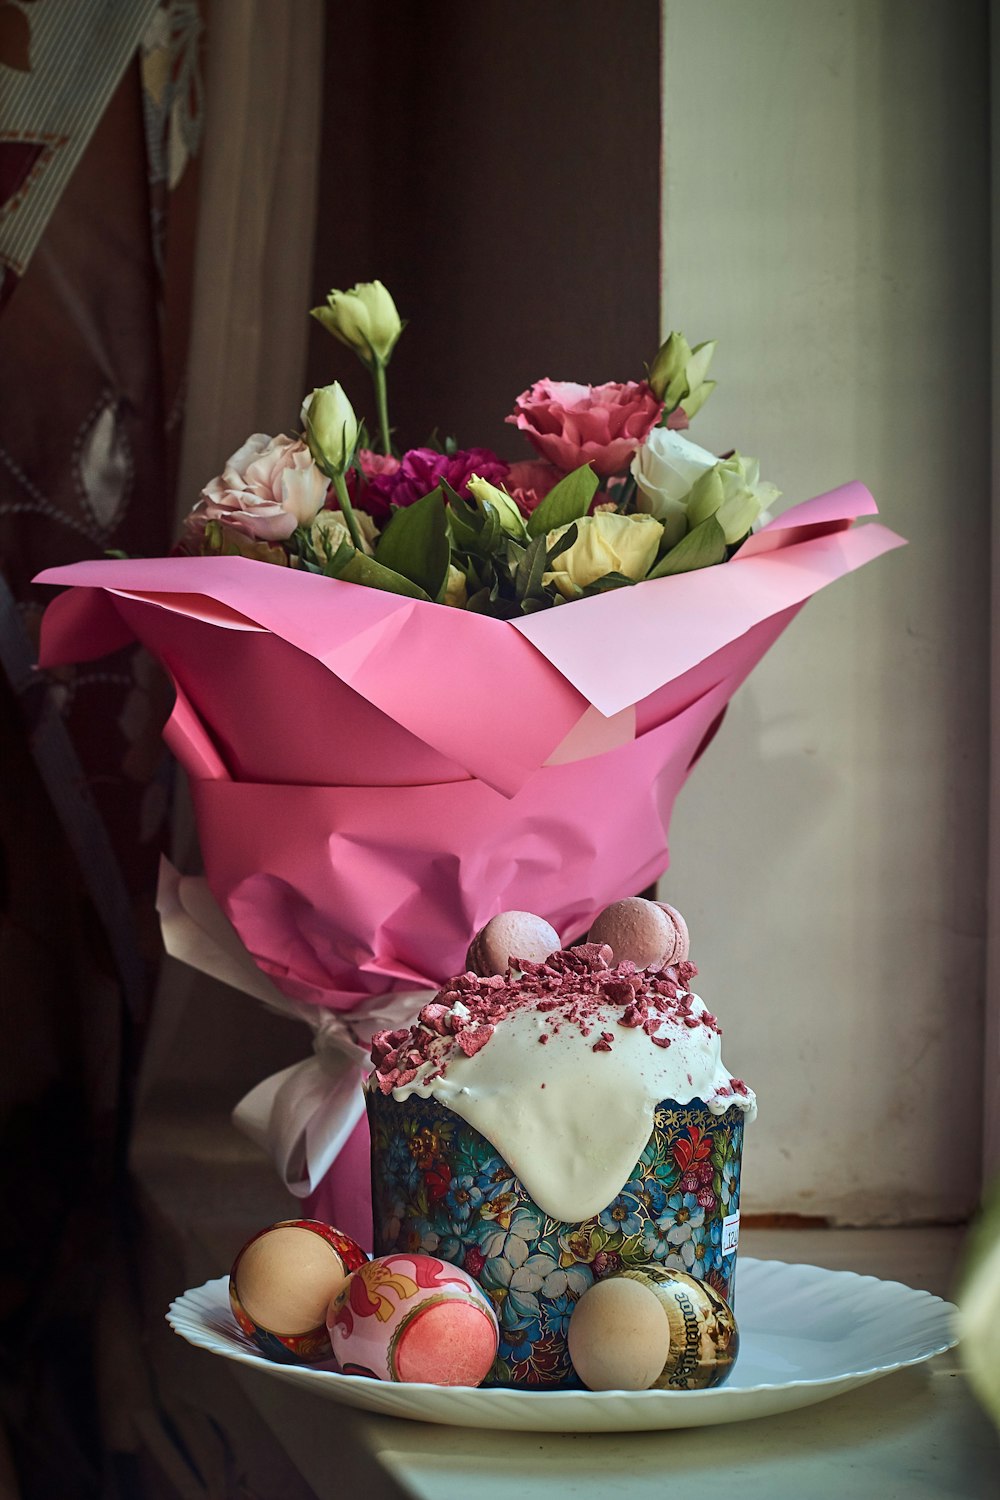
(420, 470)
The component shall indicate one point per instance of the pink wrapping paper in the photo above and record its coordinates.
(374, 777)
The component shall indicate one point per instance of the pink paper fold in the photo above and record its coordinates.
(342, 892)
(387, 690)
(374, 777)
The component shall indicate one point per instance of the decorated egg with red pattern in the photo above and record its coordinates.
(413, 1318)
(282, 1284)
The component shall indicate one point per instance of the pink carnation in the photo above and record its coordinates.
(419, 471)
(571, 424)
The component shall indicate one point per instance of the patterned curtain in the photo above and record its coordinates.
(100, 116)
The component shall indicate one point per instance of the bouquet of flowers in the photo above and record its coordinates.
(394, 726)
(615, 494)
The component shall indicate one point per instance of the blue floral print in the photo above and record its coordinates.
(440, 1188)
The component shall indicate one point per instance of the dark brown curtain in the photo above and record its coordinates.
(92, 353)
(497, 166)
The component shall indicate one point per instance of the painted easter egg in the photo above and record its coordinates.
(652, 1327)
(413, 1318)
(283, 1282)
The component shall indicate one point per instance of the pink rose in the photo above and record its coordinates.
(571, 424)
(420, 470)
(529, 482)
(267, 488)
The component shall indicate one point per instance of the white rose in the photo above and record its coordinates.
(665, 469)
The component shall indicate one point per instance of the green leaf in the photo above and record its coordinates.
(701, 548)
(567, 501)
(359, 568)
(334, 565)
(492, 535)
(607, 581)
(465, 524)
(564, 543)
(473, 528)
(415, 543)
(528, 574)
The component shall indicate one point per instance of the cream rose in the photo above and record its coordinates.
(605, 543)
(267, 488)
(329, 531)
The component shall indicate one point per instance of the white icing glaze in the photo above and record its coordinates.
(570, 1121)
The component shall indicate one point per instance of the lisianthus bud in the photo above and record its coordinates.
(365, 319)
(677, 374)
(331, 428)
(606, 543)
(456, 590)
(734, 493)
(484, 493)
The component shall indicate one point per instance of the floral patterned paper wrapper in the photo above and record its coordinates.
(439, 1187)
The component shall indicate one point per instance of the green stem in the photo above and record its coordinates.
(347, 510)
(382, 402)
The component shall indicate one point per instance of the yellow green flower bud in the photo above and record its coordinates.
(365, 319)
(331, 428)
(677, 374)
(510, 517)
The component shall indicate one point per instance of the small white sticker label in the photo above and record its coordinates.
(730, 1234)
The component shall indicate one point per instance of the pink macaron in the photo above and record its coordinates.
(651, 934)
(507, 937)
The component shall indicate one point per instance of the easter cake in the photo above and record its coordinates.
(558, 1116)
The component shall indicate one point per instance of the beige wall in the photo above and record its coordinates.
(825, 218)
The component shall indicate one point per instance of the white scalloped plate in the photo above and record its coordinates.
(806, 1335)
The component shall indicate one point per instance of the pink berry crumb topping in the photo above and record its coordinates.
(575, 987)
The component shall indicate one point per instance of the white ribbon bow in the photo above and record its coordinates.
(302, 1116)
